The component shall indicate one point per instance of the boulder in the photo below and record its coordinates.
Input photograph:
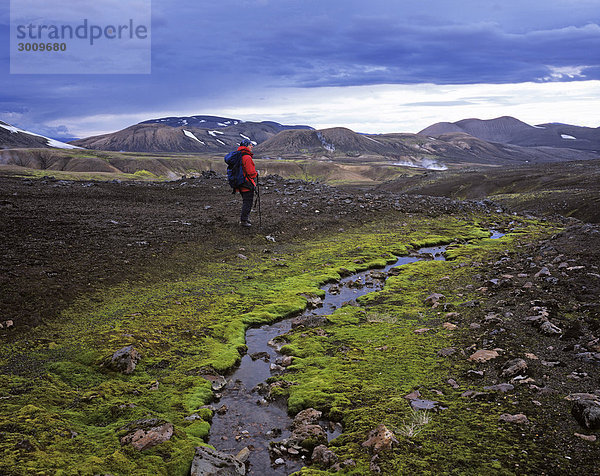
(209, 462)
(519, 418)
(550, 329)
(306, 417)
(590, 438)
(145, 434)
(380, 438)
(323, 456)
(306, 432)
(484, 355)
(447, 352)
(543, 272)
(587, 413)
(514, 367)
(124, 360)
(312, 300)
(434, 299)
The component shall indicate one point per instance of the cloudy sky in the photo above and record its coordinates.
(373, 66)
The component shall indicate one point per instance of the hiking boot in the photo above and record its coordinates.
(245, 223)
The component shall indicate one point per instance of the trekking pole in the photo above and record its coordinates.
(258, 200)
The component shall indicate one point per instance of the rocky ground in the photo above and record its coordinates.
(569, 188)
(62, 238)
(529, 343)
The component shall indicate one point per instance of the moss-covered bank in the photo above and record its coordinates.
(63, 409)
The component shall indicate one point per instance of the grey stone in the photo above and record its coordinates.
(448, 351)
(548, 328)
(501, 387)
(587, 413)
(542, 272)
(519, 418)
(323, 456)
(514, 367)
(209, 462)
(125, 359)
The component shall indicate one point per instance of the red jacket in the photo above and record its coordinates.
(249, 168)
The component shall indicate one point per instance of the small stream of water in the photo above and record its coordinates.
(246, 419)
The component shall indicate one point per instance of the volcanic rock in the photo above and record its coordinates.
(145, 434)
(209, 462)
(125, 359)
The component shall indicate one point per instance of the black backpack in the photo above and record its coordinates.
(235, 171)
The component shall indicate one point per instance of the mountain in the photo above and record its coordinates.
(408, 149)
(12, 137)
(337, 140)
(182, 134)
(508, 130)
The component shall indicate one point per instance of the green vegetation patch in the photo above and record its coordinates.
(65, 408)
(360, 366)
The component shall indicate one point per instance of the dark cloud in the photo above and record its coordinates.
(206, 50)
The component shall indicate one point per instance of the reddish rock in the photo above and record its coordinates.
(434, 299)
(145, 438)
(380, 438)
(590, 438)
(484, 355)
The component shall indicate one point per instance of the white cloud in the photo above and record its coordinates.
(560, 73)
(410, 108)
(381, 108)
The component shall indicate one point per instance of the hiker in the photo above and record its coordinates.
(251, 175)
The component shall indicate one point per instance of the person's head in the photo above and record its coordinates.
(247, 143)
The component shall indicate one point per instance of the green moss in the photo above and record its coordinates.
(189, 323)
(371, 358)
(199, 396)
(198, 429)
(144, 174)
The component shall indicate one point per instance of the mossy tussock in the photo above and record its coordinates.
(64, 412)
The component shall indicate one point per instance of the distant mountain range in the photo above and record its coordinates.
(196, 134)
(508, 130)
(408, 149)
(12, 137)
(500, 141)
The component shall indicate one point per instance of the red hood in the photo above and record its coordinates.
(245, 149)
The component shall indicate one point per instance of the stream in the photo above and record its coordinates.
(243, 418)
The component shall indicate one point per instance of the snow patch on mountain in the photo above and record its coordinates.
(566, 136)
(367, 137)
(192, 136)
(50, 142)
(214, 133)
(247, 138)
(326, 145)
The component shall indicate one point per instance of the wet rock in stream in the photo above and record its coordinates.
(306, 435)
(210, 462)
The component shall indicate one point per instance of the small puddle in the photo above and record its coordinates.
(243, 418)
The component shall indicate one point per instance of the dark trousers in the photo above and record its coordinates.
(247, 199)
